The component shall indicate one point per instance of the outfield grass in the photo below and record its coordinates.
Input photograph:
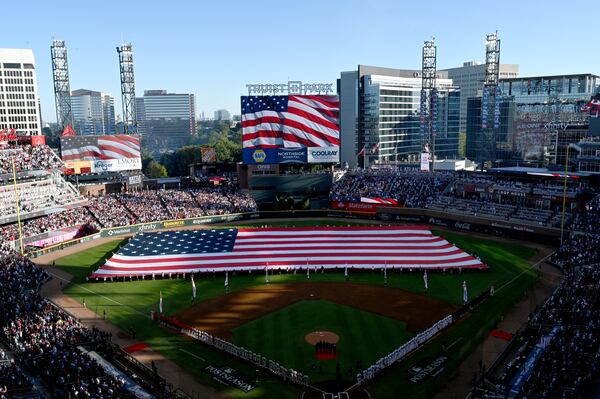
(128, 305)
(365, 337)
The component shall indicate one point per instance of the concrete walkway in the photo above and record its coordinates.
(174, 374)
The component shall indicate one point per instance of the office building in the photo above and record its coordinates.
(540, 117)
(165, 120)
(19, 102)
(93, 112)
(380, 112)
(469, 78)
(222, 115)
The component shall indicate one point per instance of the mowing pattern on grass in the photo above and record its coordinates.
(364, 337)
(221, 315)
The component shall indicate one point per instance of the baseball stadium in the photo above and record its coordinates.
(420, 291)
(289, 275)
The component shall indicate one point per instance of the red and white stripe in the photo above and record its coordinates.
(371, 200)
(310, 121)
(108, 147)
(314, 247)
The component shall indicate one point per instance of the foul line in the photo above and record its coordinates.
(95, 293)
(524, 271)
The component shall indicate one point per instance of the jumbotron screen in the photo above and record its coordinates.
(290, 129)
(98, 154)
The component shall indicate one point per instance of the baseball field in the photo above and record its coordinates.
(274, 319)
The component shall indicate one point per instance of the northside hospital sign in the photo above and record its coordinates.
(291, 87)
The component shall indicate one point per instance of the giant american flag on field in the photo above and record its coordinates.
(93, 148)
(290, 121)
(190, 251)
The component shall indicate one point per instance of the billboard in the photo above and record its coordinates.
(290, 129)
(424, 162)
(103, 153)
(209, 154)
(253, 156)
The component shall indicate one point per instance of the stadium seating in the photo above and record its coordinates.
(37, 196)
(28, 158)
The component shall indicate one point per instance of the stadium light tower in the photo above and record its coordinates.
(62, 90)
(491, 97)
(125, 52)
(428, 95)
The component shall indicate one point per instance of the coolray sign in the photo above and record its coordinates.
(323, 154)
(291, 87)
(229, 377)
(115, 165)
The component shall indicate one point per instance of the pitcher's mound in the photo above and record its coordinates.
(322, 336)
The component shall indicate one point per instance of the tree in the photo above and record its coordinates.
(52, 137)
(155, 170)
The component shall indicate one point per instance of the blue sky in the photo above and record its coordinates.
(213, 49)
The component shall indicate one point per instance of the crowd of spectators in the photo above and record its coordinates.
(558, 352)
(12, 380)
(486, 196)
(68, 218)
(589, 219)
(45, 340)
(28, 158)
(181, 203)
(409, 189)
(109, 211)
(115, 210)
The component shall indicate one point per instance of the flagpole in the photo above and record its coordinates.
(267, 273)
(18, 204)
(385, 273)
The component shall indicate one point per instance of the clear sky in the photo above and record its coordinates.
(214, 48)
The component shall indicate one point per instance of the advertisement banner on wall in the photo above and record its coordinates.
(354, 207)
(116, 165)
(424, 162)
(78, 167)
(323, 154)
(258, 156)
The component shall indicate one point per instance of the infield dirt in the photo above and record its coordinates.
(221, 315)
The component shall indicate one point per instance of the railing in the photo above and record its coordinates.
(287, 375)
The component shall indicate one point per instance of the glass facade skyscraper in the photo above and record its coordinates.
(541, 117)
(380, 112)
(166, 121)
(93, 112)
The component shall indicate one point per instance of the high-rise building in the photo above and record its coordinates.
(19, 103)
(380, 113)
(165, 120)
(469, 78)
(222, 115)
(539, 117)
(93, 112)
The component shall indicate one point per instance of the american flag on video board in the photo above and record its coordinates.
(91, 148)
(290, 121)
(285, 248)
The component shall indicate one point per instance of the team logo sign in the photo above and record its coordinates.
(259, 156)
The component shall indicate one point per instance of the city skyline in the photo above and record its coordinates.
(171, 49)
